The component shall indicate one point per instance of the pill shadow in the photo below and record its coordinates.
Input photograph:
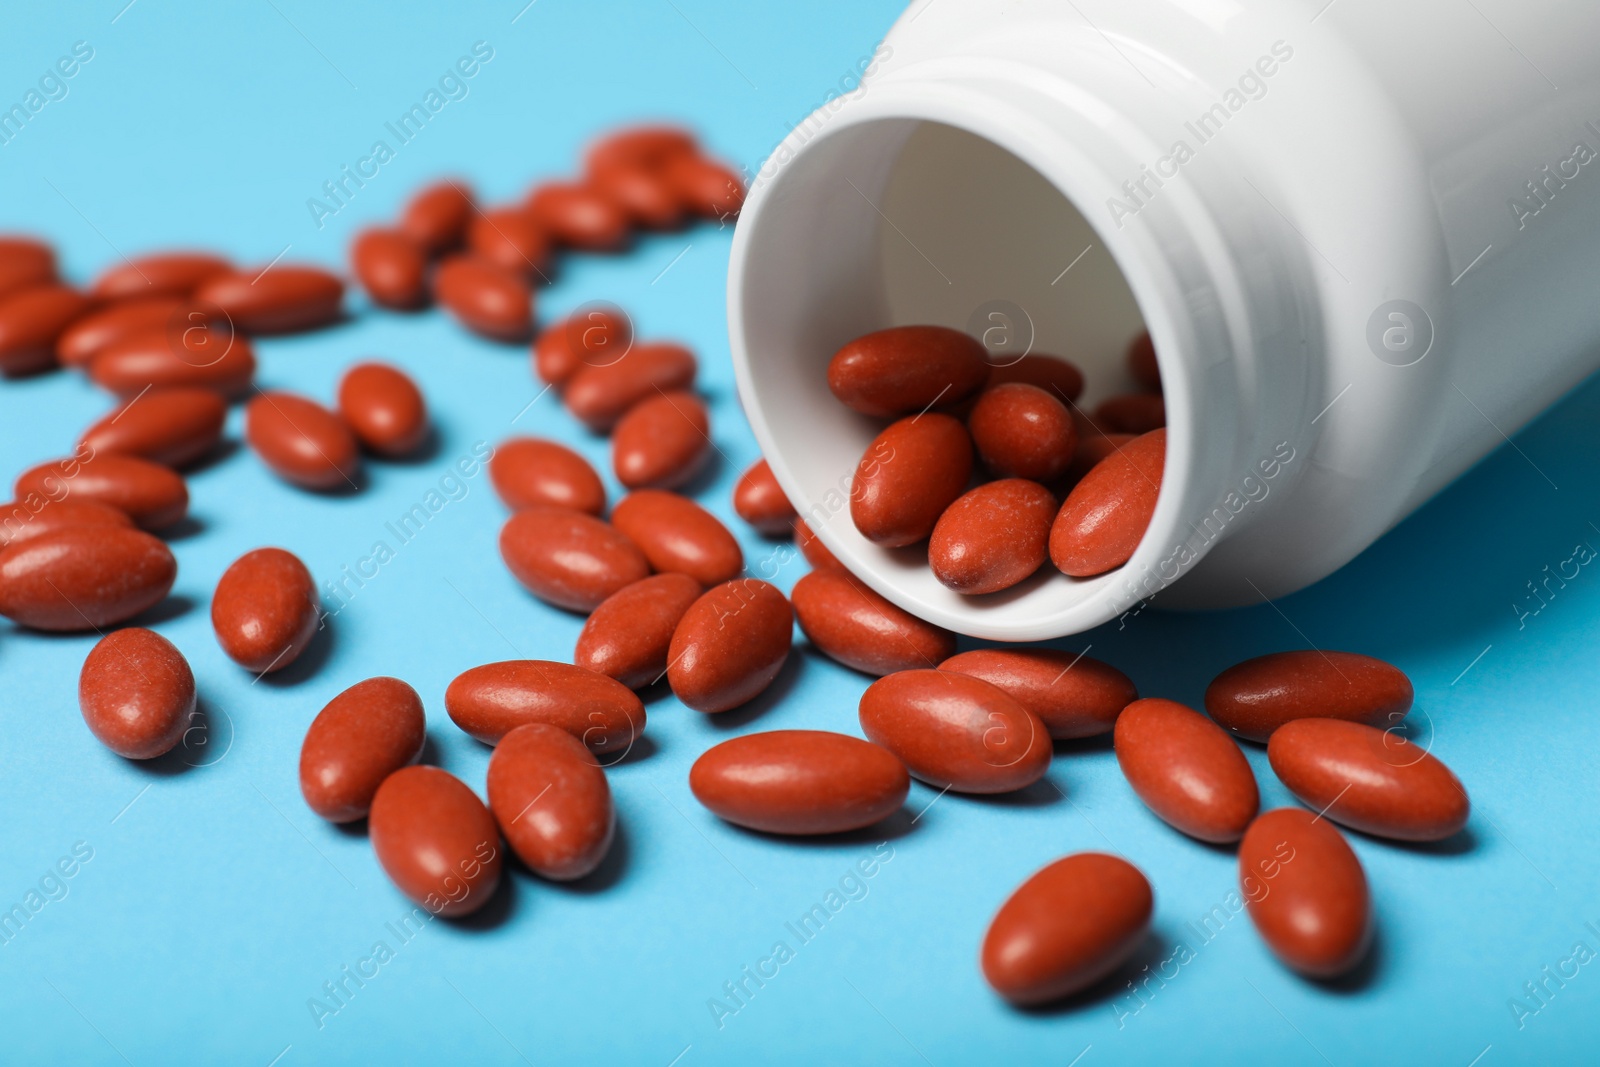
(306, 664)
(225, 449)
(1460, 843)
(643, 748)
(1040, 794)
(893, 827)
(501, 908)
(170, 608)
(184, 529)
(1154, 950)
(427, 449)
(1083, 746)
(787, 680)
(706, 475)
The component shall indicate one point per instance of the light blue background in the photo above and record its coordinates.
(216, 904)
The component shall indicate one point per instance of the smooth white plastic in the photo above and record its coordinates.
(1364, 236)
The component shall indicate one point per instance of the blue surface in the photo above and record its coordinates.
(215, 906)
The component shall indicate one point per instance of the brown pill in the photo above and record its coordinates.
(907, 369)
(1054, 375)
(651, 147)
(485, 299)
(391, 267)
(800, 782)
(32, 514)
(992, 537)
(1133, 413)
(600, 394)
(384, 408)
(812, 548)
(579, 216)
(1021, 431)
(1186, 769)
(25, 262)
(1369, 779)
(436, 217)
(592, 338)
(358, 739)
(283, 298)
(490, 701)
(31, 319)
(1091, 449)
(567, 558)
(1105, 516)
(1142, 363)
(265, 610)
(760, 501)
(153, 496)
(528, 471)
(1254, 698)
(163, 274)
(1068, 926)
(955, 731)
(1073, 695)
(910, 473)
(80, 342)
(435, 840)
(647, 196)
(136, 692)
(706, 188)
(173, 427)
(676, 534)
(83, 577)
(302, 441)
(1306, 892)
(193, 352)
(852, 624)
(552, 801)
(628, 635)
(662, 442)
(730, 645)
(509, 238)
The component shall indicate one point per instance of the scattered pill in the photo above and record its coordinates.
(1186, 769)
(706, 187)
(84, 577)
(601, 393)
(1254, 698)
(436, 217)
(302, 441)
(662, 442)
(676, 534)
(81, 341)
(1073, 695)
(812, 548)
(854, 625)
(567, 558)
(596, 337)
(152, 495)
(530, 471)
(172, 427)
(1306, 892)
(760, 501)
(651, 147)
(579, 216)
(281, 298)
(161, 274)
(391, 267)
(202, 354)
(510, 239)
(136, 692)
(1105, 516)
(265, 610)
(909, 474)
(32, 515)
(628, 635)
(31, 319)
(730, 645)
(1133, 413)
(552, 801)
(358, 739)
(648, 197)
(383, 408)
(24, 263)
(907, 369)
(435, 840)
(1054, 375)
(800, 782)
(485, 299)
(491, 700)
(992, 537)
(1021, 431)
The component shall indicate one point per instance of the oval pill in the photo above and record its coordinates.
(81, 341)
(579, 216)
(284, 298)
(437, 215)
(906, 369)
(1133, 413)
(1073, 695)
(760, 501)
(491, 700)
(33, 514)
(730, 645)
(83, 577)
(856, 626)
(159, 274)
(152, 495)
(992, 537)
(195, 352)
(596, 337)
(31, 319)
(358, 739)
(1254, 698)
(1186, 769)
(628, 635)
(487, 300)
(812, 548)
(435, 840)
(1021, 431)
(676, 534)
(265, 610)
(25, 262)
(1306, 892)
(136, 692)
(600, 394)
(569, 559)
(173, 427)
(552, 801)
(649, 198)
(652, 147)
(531, 471)
(301, 441)
(800, 782)
(384, 408)
(910, 473)
(510, 239)
(662, 442)
(705, 187)
(391, 267)
(1105, 516)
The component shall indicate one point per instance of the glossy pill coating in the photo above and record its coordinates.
(25, 262)
(32, 515)
(651, 147)
(485, 299)
(730, 645)
(1068, 926)
(83, 577)
(1368, 779)
(1186, 769)
(1054, 375)
(31, 319)
(800, 782)
(910, 473)
(596, 337)
(600, 394)
(676, 534)
(662, 442)
(81, 341)
(648, 197)
(160, 274)
(358, 739)
(856, 626)
(567, 558)
(302, 441)
(136, 692)
(1254, 698)
(1105, 516)
(383, 408)
(153, 496)
(391, 267)
(200, 354)
(760, 501)
(956, 731)
(1141, 360)
(436, 840)
(490, 701)
(992, 537)
(437, 215)
(706, 188)
(173, 427)
(1133, 413)
(579, 216)
(906, 369)
(812, 548)
(1306, 892)
(1073, 695)
(510, 239)
(552, 801)
(265, 610)
(530, 471)
(285, 298)
(628, 635)
(1021, 431)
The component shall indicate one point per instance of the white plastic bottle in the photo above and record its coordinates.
(1364, 235)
